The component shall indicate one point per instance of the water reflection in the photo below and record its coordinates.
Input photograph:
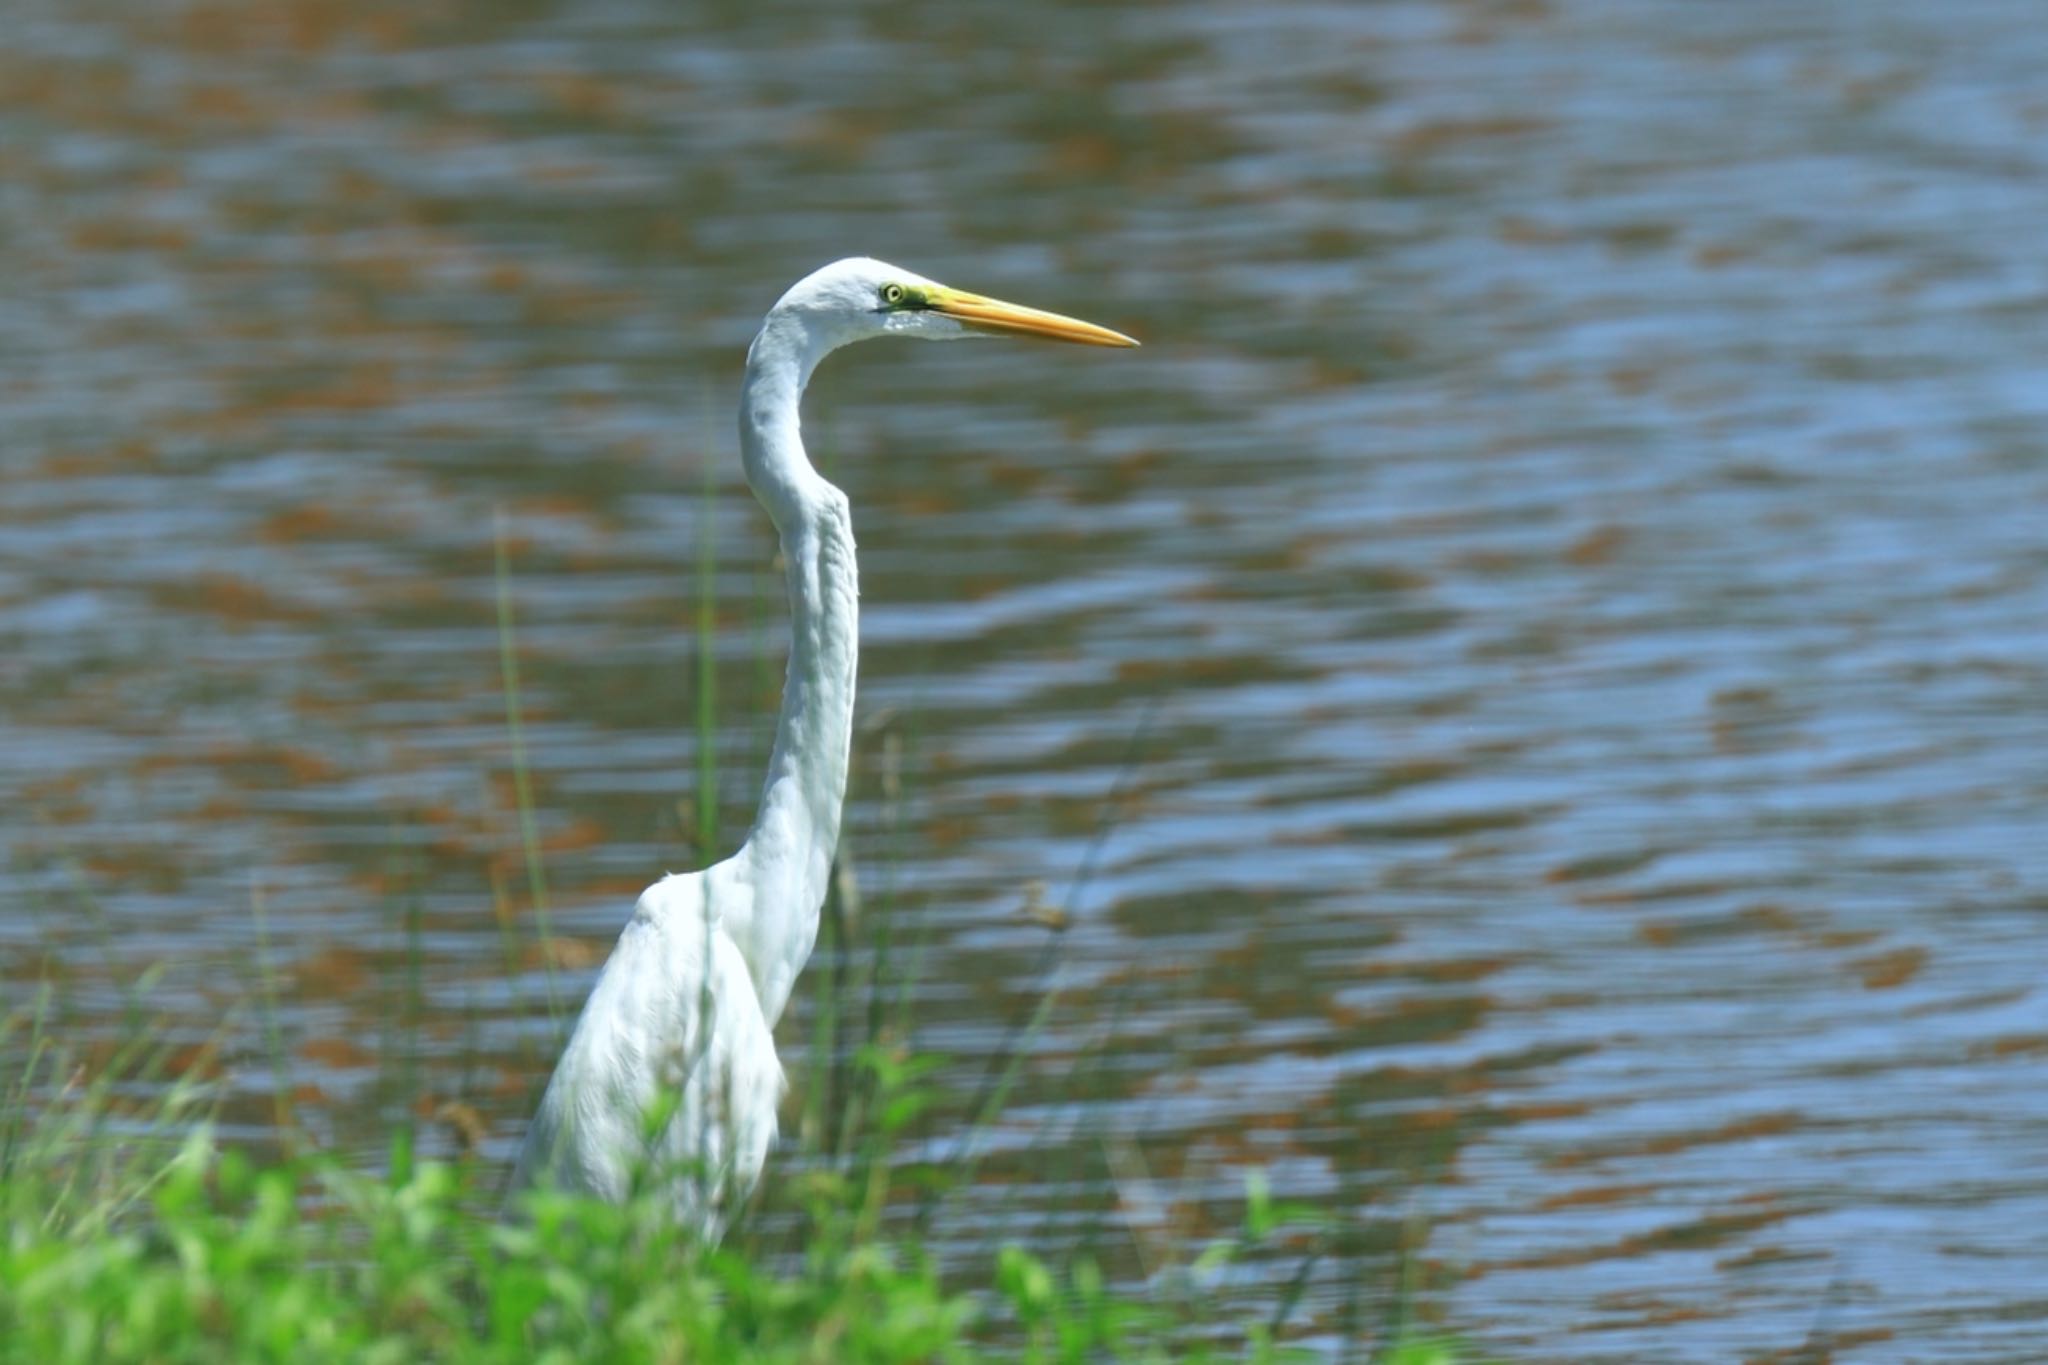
(1577, 522)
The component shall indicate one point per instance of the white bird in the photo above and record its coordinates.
(670, 1079)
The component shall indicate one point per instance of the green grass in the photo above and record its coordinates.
(132, 1235)
(129, 1232)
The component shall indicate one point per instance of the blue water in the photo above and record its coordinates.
(1571, 554)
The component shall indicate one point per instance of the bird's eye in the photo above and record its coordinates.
(892, 294)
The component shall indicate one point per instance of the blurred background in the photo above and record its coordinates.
(1530, 691)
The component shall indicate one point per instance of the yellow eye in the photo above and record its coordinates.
(892, 294)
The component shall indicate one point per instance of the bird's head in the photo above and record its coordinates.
(858, 298)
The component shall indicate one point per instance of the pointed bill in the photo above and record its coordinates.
(993, 315)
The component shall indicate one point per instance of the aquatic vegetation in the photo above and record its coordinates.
(132, 1235)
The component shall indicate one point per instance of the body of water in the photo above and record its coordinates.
(1549, 639)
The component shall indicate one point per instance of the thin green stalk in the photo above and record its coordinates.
(1400, 1316)
(851, 1088)
(1291, 1293)
(95, 914)
(764, 664)
(1007, 1063)
(131, 1183)
(14, 1127)
(508, 945)
(409, 1053)
(273, 1033)
(707, 671)
(522, 782)
(892, 823)
(825, 1092)
(707, 745)
(884, 931)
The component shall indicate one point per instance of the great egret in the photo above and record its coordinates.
(671, 1073)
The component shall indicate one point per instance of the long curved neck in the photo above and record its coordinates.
(788, 854)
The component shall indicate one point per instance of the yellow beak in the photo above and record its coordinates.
(993, 315)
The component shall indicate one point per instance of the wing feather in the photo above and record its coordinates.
(670, 1075)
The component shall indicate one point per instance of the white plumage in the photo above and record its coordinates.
(674, 1019)
(670, 1077)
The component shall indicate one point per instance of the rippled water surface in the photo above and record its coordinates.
(1554, 623)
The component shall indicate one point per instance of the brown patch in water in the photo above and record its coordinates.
(925, 502)
(260, 765)
(128, 234)
(1631, 381)
(1596, 546)
(1671, 933)
(1428, 138)
(1648, 1310)
(1449, 971)
(572, 954)
(1012, 478)
(1714, 255)
(574, 837)
(1740, 1130)
(1771, 1253)
(1821, 1351)
(292, 524)
(2012, 1045)
(1533, 1113)
(580, 94)
(1599, 1196)
(1519, 231)
(196, 1061)
(337, 1054)
(1422, 1019)
(334, 973)
(1885, 970)
(306, 27)
(1775, 918)
(235, 600)
(1689, 1235)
